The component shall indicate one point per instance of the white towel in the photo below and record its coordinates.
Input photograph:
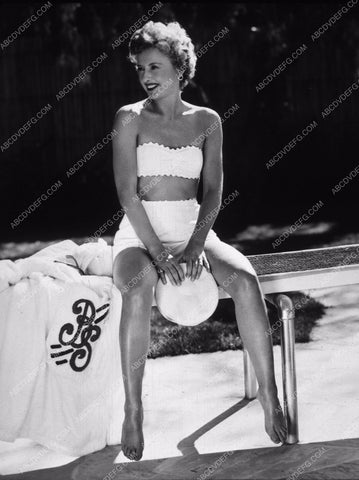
(44, 261)
(74, 406)
(94, 258)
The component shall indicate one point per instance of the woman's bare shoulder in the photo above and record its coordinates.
(205, 115)
(209, 115)
(128, 114)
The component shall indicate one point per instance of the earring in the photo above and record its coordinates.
(179, 74)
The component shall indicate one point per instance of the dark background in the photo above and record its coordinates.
(62, 42)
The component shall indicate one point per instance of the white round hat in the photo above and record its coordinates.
(190, 303)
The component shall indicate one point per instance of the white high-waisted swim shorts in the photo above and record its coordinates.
(172, 220)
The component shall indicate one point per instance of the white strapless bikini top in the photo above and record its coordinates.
(157, 159)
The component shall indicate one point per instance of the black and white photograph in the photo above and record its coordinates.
(179, 248)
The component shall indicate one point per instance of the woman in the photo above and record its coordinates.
(162, 146)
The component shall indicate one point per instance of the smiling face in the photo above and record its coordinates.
(155, 69)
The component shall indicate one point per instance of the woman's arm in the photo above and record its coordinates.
(212, 175)
(125, 173)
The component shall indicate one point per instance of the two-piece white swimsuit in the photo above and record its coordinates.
(172, 220)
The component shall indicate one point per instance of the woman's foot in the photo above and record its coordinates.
(132, 442)
(274, 421)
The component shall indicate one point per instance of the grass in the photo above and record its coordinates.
(220, 332)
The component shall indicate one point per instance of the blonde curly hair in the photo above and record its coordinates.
(170, 39)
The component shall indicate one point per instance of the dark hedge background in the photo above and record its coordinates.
(62, 42)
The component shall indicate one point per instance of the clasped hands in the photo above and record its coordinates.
(195, 259)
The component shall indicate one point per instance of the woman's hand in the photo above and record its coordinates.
(195, 259)
(171, 267)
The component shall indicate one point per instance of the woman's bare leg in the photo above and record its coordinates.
(134, 340)
(233, 271)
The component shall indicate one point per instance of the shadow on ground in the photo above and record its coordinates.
(321, 460)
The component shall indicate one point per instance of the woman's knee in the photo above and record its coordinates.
(247, 278)
(232, 264)
(241, 281)
(133, 271)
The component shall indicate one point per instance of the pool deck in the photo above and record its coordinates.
(197, 424)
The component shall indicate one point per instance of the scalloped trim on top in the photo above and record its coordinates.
(169, 148)
(166, 175)
(189, 200)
